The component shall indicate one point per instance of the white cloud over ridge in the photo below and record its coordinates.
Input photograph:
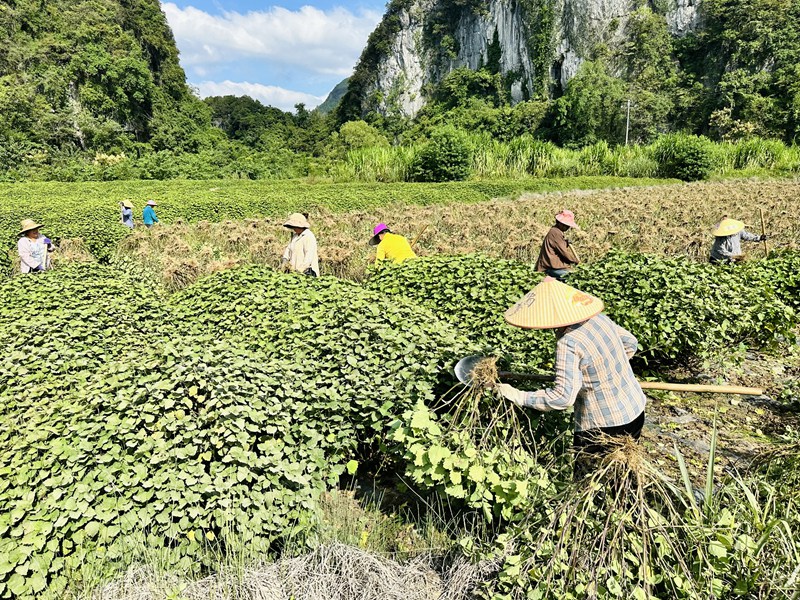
(309, 39)
(266, 94)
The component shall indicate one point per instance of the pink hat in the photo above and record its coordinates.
(567, 217)
(379, 229)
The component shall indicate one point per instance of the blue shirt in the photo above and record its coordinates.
(127, 217)
(149, 216)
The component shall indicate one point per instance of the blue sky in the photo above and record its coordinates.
(280, 53)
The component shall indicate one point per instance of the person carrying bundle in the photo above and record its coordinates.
(728, 237)
(593, 372)
(391, 246)
(556, 258)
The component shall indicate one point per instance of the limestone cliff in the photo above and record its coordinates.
(537, 45)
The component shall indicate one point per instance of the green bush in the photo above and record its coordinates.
(222, 414)
(759, 154)
(679, 309)
(686, 157)
(380, 354)
(781, 271)
(472, 292)
(445, 157)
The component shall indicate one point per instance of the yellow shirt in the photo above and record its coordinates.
(395, 248)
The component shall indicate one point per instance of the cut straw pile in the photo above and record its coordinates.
(331, 572)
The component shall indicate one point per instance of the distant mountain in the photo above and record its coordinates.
(726, 67)
(99, 75)
(333, 99)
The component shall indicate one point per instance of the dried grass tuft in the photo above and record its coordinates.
(331, 572)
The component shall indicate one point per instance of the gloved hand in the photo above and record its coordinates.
(39, 268)
(763, 238)
(509, 392)
(47, 241)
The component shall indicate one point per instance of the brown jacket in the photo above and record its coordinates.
(555, 253)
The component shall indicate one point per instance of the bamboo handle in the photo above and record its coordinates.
(655, 385)
(709, 389)
(419, 235)
(764, 232)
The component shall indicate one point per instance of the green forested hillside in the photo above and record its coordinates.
(93, 90)
(98, 75)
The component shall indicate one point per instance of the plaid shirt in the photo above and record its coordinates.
(592, 368)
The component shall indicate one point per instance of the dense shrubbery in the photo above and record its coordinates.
(680, 309)
(224, 413)
(685, 157)
(471, 293)
(444, 157)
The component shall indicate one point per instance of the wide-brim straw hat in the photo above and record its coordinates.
(28, 225)
(728, 227)
(379, 229)
(297, 220)
(126, 204)
(553, 304)
(151, 203)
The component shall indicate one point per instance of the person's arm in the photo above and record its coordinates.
(155, 218)
(750, 237)
(561, 247)
(25, 256)
(562, 395)
(629, 341)
(380, 252)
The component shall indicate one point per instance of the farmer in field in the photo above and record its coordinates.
(391, 246)
(728, 237)
(593, 371)
(556, 258)
(33, 248)
(126, 213)
(149, 214)
(301, 253)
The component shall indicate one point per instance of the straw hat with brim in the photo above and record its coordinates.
(297, 220)
(151, 203)
(728, 227)
(553, 304)
(28, 225)
(126, 204)
(379, 229)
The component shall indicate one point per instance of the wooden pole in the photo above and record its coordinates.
(419, 235)
(764, 232)
(656, 385)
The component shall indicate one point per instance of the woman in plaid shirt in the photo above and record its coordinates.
(593, 372)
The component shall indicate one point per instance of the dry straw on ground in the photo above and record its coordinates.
(331, 572)
(667, 220)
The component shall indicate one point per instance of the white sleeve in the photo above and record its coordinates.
(25, 256)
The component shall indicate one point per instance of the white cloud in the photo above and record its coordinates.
(266, 94)
(322, 42)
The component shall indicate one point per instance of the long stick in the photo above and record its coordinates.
(656, 385)
(419, 235)
(763, 233)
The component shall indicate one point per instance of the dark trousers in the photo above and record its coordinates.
(560, 274)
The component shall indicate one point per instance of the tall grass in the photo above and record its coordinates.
(527, 156)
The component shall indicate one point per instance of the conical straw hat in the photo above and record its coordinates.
(728, 227)
(553, 304)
